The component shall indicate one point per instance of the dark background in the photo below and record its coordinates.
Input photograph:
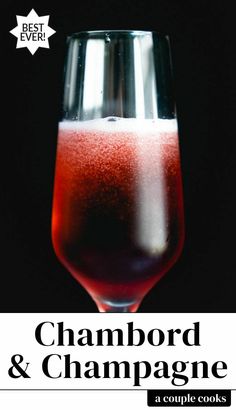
(204, 57)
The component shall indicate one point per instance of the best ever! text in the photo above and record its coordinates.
(32, 31)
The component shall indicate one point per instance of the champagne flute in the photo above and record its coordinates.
(117, 220)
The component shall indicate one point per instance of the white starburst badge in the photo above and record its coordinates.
(32, 31)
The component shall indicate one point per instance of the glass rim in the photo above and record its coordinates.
(97, 33)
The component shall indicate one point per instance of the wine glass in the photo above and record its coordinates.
(117, 220)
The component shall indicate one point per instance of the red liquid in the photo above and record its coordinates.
(117, 222)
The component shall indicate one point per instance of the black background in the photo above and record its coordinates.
(204, 57)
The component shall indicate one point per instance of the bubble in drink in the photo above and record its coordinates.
(117, 221)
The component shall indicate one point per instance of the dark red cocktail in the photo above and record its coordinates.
(117, 221)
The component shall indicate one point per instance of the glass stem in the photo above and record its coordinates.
(107, 307)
